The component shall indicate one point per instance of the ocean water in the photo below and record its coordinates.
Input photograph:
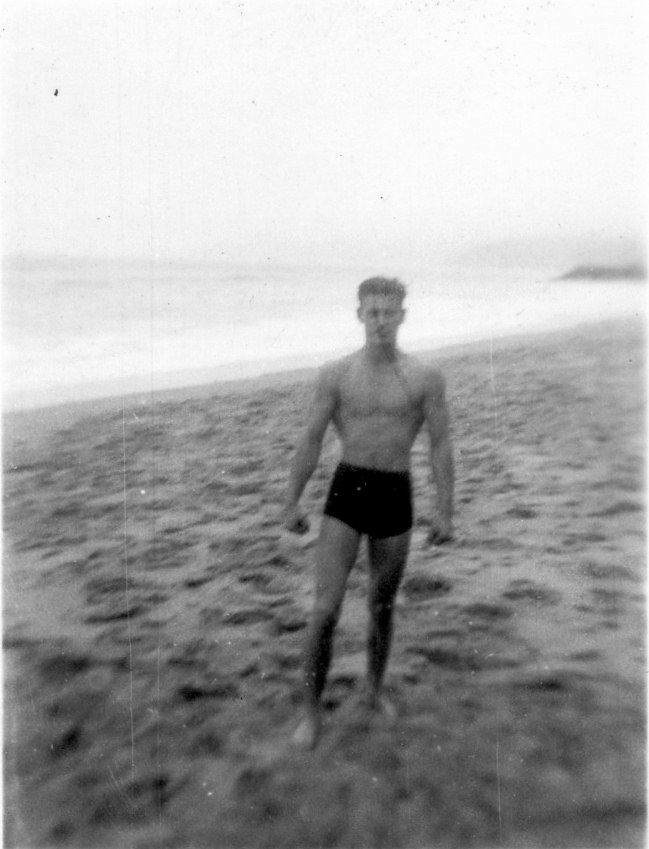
(74, 330)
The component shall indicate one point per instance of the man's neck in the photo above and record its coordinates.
(379, 354)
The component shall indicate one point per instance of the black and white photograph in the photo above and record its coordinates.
(324, 424)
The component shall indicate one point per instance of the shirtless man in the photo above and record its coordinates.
(377, 399)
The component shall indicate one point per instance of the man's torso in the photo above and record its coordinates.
(379, 410)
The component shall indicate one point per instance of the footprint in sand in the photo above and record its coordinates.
(167, 554)
(287, 660)
(60, 668)
(110, 603)
(266, 581)
(132, 800)
(421, 587)
(550, 683)
(617, 509)
(524, 590)
(247, 616)
(252, 780)
(602, 571)
(448, 658)
(254, 487)
(608, 602)
(522, 512)
(587, 655)
(195, 583)
(486, 543)
(581, 540)
(224, 689)
(244, 468)
(485, 611)
(66, 743)
(208, 742)
(288, 620)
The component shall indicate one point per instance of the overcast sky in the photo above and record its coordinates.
(315, 130)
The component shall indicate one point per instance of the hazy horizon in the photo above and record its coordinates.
(508, 252)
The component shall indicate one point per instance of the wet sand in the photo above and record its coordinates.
(154, 615)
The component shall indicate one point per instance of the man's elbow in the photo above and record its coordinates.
(310, 446)
(441, 444)
(313, 438)
(442, 452)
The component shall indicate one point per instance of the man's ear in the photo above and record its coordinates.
(359, 313)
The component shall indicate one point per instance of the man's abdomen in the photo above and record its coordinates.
(378, 444)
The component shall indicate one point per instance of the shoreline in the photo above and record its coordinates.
(120, 355)
(36, 417)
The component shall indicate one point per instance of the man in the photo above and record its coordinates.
(377, 399)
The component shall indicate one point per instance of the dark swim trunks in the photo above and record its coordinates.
(371, 501)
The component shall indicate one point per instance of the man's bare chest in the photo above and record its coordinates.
(364, 395)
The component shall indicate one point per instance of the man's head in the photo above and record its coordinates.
(389, 286)
(381, 310)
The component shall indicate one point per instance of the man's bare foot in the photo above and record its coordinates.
(307, 734)
(384, 707)
(380, 704)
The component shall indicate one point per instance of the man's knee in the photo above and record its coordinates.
(381, 605)
(325, 616)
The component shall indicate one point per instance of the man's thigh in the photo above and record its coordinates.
(387, 558)
(336, 553)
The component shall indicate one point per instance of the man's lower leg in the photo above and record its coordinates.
(378, 649)
(318, 659)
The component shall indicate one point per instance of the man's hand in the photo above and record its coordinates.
(441, 531)
(295, 521)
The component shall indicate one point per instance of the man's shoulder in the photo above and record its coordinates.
(331, 373)
(335, 369)
(425, 374)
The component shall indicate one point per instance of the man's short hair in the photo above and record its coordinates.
(391, 286)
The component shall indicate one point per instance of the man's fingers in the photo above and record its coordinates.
(299, 526)
(302, 526)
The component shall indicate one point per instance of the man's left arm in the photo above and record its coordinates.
(441, 458)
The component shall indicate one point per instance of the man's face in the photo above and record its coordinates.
(381, 315)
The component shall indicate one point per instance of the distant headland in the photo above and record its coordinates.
(605, 272)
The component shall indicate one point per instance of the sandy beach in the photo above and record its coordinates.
(154, 615)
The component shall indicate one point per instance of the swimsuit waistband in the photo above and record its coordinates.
(373, 473)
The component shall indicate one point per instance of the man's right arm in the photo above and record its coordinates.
(308, 450)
